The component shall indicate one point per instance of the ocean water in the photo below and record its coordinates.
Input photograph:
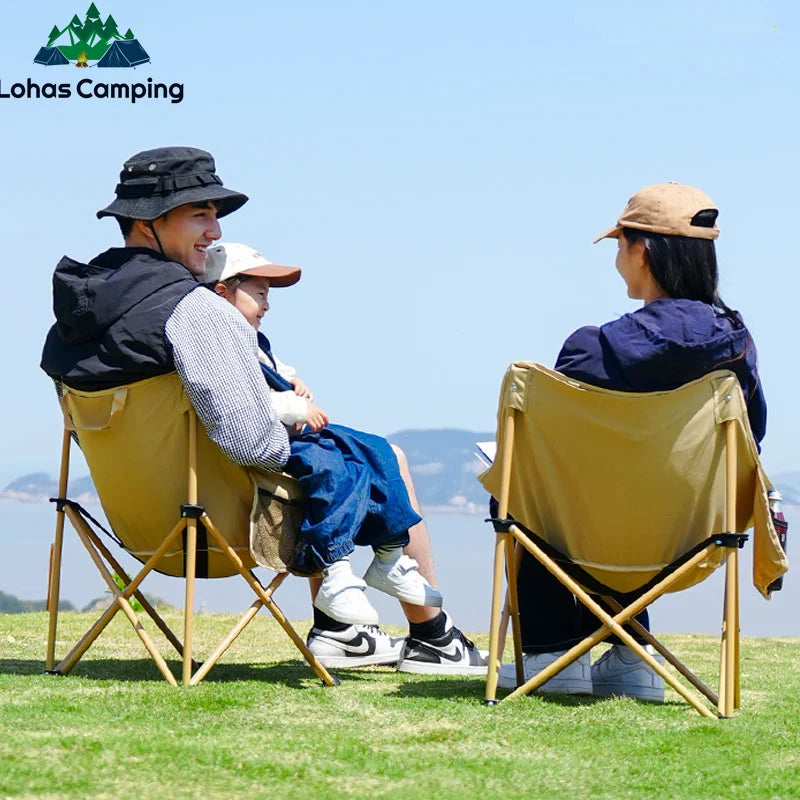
(462, 547)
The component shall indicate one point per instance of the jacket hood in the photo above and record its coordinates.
(89, 298)
(666, 337)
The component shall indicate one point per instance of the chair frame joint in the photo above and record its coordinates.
(192, 511)
(734, 540)
(61, 502)
(501, 525)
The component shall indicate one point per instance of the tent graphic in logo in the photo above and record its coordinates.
(91, 40)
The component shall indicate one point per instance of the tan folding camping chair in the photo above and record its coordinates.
(176, 504)
(617, 494)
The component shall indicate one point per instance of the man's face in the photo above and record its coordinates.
(186, 232)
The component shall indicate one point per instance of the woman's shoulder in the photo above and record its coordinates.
(584, 357)
(676, 320)
(584, 337)
(663, 311)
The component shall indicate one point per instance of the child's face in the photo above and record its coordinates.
(251, 299)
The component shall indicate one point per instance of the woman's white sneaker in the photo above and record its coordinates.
(575, 678)
(621, 673)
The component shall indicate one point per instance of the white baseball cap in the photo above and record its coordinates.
(226, 259)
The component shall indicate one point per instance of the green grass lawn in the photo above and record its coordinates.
(262, 726)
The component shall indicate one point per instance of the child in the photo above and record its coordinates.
(354, 491)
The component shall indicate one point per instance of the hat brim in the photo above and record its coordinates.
(279, 275)
(612, 233)
(155, 206)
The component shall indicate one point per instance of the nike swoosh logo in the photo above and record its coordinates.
(361, 645)
(453, 652)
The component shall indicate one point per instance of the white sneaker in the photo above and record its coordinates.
(619, 671)
(398, 575)
(356, 646)
(341, 596)
(573, 679)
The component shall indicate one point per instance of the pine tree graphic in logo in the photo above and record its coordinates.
(91, 40)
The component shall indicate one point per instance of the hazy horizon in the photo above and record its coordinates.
(462, 547)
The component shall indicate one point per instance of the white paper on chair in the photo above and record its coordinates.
(486, 452)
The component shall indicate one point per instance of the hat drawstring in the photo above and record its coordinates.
(158, 241)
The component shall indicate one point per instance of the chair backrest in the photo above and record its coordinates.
(136, 442)
(626, 483)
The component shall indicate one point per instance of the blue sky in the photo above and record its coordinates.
(439, 170)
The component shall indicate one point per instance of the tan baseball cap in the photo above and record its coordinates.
(667, 208)
(226, 259)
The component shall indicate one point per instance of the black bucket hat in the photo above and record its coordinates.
(156, 181)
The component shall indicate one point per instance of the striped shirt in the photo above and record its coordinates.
(216, 357)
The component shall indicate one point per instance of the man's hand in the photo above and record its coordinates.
(317, 418)
(301, 389)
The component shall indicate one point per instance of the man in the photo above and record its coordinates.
(138, 311)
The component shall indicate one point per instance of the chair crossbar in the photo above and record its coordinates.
(97, 552)
(121, 601)
(642, 632)
(589, 581)
(107, 565)
(265, 595)
(610, 624)
(131, 585)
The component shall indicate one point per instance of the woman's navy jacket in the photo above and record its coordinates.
(663, 345)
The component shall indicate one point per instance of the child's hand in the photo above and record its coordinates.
(300, 388)
(317, 418)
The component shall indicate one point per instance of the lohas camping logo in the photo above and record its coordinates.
(89, 44)
(91, 40)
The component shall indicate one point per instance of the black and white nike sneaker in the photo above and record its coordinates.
(451, 654)
(356, 646)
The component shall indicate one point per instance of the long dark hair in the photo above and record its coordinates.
(685, 267)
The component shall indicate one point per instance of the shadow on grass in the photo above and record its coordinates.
(474, 689)
(299, 676)
(291, 674)
(459, 686)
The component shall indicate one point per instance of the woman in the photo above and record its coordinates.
(684, 330)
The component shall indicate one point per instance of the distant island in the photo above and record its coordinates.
(9, 604)
(39, 487)
(442, 461)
